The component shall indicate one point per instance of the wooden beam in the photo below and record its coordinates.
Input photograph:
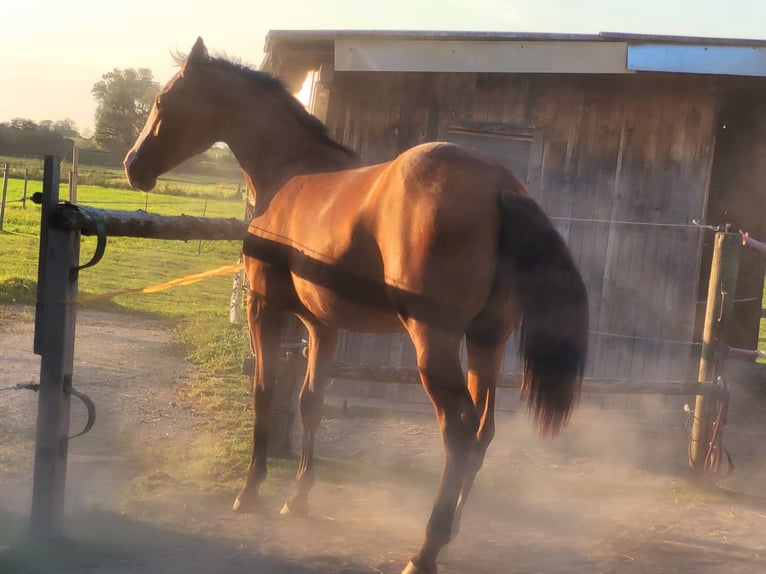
(411, 376)
(141, 224)
(720, 302)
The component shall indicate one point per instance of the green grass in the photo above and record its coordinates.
(128, 262)
(198, 312)
(174, 183)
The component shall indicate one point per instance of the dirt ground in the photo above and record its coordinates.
(603, 498)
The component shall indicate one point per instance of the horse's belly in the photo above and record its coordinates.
(350, 305)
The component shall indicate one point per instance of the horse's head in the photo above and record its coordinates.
(181, 124)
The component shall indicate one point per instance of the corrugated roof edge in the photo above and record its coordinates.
(276, 36)
(693, 40)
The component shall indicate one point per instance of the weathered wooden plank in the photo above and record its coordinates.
(606, 156)
(604, 148)
(617, 309)
(642, 274)
(613, 199)
(382, 349)
(367, 349)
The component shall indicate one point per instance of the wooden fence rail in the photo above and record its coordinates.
(87, 220)
(410, 376)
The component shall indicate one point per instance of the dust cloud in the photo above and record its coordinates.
(609, 495)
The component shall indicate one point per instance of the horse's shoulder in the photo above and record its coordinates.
(430, 149)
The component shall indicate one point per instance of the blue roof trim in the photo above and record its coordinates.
(698, 59)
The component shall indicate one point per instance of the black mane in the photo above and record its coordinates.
(274, 87)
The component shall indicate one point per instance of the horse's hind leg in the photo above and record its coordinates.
(484, 360)
(265, 323)
(443, 380)
(322, 342)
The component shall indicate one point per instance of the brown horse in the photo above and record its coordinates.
(439, 242)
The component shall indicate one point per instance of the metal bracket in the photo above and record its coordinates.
(101, 241)
(86, 400)
(725, 227)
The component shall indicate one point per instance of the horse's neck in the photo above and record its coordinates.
(269, 160)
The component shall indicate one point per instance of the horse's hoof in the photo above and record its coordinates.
(245, 503)
(412, 569)
(293, 508)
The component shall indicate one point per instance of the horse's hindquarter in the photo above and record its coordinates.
(438, 228)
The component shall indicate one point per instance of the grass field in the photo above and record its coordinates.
(228, 185)
(129, 262)
(198, 312)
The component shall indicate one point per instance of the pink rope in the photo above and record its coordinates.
(751, 354)
(755, 244)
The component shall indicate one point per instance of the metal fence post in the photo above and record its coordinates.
(54, 342)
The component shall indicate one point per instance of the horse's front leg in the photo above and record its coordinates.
(265, 323)
(322, 342)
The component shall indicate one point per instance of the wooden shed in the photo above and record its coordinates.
(625, 140)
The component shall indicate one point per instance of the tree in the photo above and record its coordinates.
(23, 125)
(124, 99)
(66, 127)
(23, 137)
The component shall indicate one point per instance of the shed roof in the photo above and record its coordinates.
(306, 36)
(519, 52)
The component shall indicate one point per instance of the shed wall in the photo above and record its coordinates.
(621, 164)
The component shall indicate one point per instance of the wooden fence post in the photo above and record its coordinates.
(73, 175)
(292, 365)
(26, 181)
(54, 342)
(2, 200)
(720, 301)
(236, 294)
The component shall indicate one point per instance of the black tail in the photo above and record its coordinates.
(553, 341)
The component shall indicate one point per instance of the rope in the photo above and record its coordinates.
(752, 243)
(647, 339)
(21, 386)
(189, 279)
(715, 450)
(622, 222)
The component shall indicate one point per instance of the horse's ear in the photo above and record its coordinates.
(198, 52)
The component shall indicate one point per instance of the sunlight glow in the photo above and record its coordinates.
(304, 94)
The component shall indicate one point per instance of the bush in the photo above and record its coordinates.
(18, 291)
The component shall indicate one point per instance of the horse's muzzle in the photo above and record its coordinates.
(134, 175)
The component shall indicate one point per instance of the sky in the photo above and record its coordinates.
(53, 52)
